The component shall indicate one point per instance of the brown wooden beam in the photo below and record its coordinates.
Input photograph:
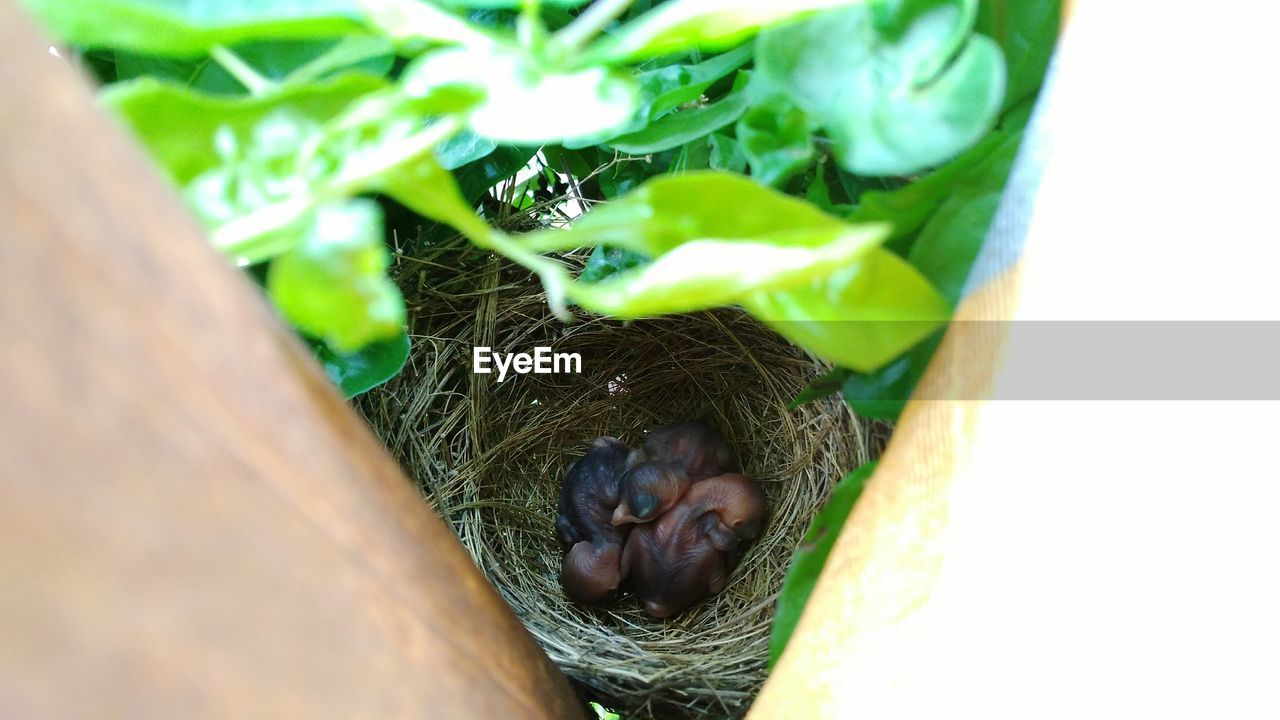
(194, 523)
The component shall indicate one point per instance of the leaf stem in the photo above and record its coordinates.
(251, 79)
(590, 23)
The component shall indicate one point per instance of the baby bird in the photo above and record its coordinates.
(590, 492)
(694, 446)
(672, 459)
(587, 500)
(688, 553)
(647, 490)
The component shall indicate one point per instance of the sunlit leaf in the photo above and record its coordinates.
(334, 284)
(811, 556)
(524, 102)
(182, 128)
(860, 316)
(713, 238)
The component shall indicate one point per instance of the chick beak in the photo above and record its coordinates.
(621, 516)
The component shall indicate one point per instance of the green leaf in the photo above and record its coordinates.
(429, 190)
(465, 147)
(366, 368)
(293, 61)
(828, 384)
(192, 27)
(911, 206)
(726, 154)
(775, 137)
(811, 556)
(670, 211)
(477, 177)
(666, 88)
(333, 286)
(896, 84)
(507, 4)
(623, 177)
(682, 128)
(184, 129)
(955, 207)
(372, 54)
(607, 261)
(1026, 32)
(713, 238)
(525, 101)
(861, 316)
(682, 25)
(882, 395)
(950, 241)
(670, 87)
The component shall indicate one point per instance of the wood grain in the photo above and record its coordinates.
(192, 522)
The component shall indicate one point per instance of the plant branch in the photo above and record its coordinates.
(590, 23)
(251, 79)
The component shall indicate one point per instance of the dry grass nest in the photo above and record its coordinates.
(489, 457)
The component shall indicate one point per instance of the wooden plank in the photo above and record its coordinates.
(1019, 557)
(194, 523)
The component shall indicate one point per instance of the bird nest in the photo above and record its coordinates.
(489, 457)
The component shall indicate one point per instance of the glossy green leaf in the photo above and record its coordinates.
(606, 261)
(811, 556)
(192, 27)
(525, 102)
(860, 316)
(366, 368)
(776, 140)
(681, 25)
(666, 88)
(896, 84)
(1026, 32)
(681, 128)
(333, 285)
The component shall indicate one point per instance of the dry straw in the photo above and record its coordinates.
(489, 458)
